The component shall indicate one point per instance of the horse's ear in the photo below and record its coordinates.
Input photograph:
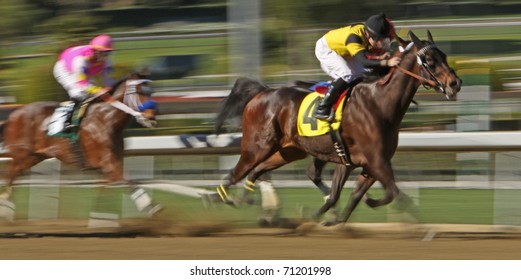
(429, 37)
(144, 72)
(415, 39)
(401, 42)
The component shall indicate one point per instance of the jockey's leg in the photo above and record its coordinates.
(68, 125)
(330, 98)
(324, 110)
(77, 96)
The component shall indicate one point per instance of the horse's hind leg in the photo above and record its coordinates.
(249, 159)
(22, 162)
(275, 161)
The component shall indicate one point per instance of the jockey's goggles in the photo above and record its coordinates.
(105, 53)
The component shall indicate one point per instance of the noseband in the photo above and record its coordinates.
(131, 97)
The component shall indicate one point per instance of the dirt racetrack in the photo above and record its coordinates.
(256, 247)
(52, 242)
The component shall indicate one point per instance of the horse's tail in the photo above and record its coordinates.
(2, 126)
(233, 105)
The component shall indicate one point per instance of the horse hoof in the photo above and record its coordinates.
(154, 209)
(371, 202)
(7, 210)
(329, 223)
(305, 228)
(230, 202)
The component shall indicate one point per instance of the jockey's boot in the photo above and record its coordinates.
(334, 91)
(68, 126)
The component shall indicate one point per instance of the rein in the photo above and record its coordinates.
(416, 76)
(129, 91)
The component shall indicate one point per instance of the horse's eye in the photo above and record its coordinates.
(430, 62)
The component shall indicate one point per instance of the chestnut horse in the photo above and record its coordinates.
(100, 133)
(369, 127)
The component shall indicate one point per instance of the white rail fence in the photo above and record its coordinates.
(409, 141)
(501, 151)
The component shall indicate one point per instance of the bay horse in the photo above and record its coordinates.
(369, 127)
(231, 114)
(100, 134)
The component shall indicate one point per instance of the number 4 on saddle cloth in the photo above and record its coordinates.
(308, 125)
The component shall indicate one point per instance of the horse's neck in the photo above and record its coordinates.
(402, 88)
(117, 118)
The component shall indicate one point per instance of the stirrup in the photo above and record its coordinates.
(322, 115)
(69, 128)
(329, 117)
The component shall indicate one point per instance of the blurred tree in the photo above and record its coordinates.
(17, 18)
(79, 4)
(69, 29)
(166, 3)
(328, 13)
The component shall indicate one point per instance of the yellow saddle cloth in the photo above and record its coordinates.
(308, 125)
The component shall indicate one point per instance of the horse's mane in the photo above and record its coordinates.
(131, 75)
(117, 85)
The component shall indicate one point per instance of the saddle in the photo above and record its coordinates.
(308, 125)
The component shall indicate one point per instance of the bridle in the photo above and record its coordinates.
(431, 81)
(131, 97)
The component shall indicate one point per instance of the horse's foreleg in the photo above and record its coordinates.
(112, 169)
(363, 183)
(314, 173)
(17, 165)
(384, 174)
(340, 176)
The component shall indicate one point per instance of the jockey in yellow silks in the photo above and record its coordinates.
(344, 54)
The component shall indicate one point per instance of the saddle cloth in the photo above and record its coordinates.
(57, 121)
(307, 124)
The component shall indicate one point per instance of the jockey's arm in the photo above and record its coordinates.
(87, 85)
(81, 68)
(107, 70)
(362, 57)
(359, 52)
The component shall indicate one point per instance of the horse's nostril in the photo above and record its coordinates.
(455, 84)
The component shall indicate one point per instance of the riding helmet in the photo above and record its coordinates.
(101, 42)
(379, 26)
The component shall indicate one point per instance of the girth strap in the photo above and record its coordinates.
(339, 146)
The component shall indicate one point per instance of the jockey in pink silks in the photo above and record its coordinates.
(83, 71)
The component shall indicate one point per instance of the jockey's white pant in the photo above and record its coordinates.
(69, 82)
(335, 65)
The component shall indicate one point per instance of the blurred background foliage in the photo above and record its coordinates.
(196, 33)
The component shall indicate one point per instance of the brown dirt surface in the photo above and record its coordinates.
(157, 241)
